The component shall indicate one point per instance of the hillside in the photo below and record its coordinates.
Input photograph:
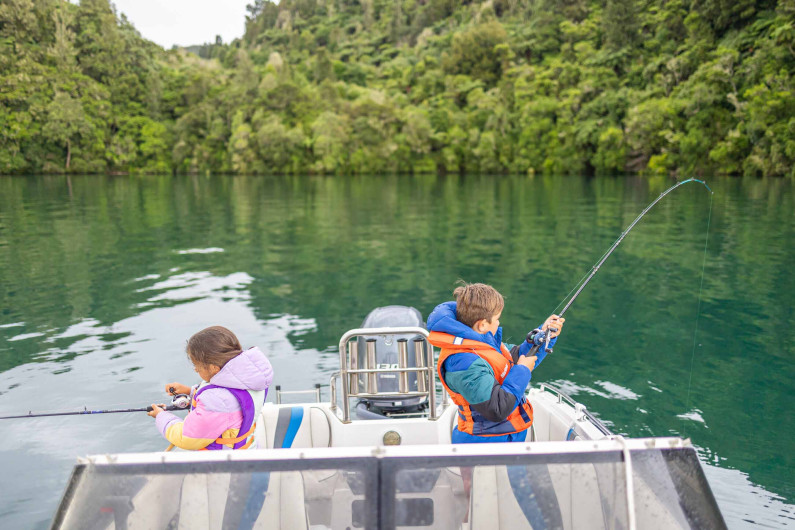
(341, 86)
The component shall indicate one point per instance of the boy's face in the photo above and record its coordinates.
(484, 326)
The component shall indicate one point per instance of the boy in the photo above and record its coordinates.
(484, 379)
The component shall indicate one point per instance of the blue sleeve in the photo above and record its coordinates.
(517, 380)
(524, 349)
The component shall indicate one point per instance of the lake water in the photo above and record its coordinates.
(102, 280)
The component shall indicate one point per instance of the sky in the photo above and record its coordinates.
(185, 22)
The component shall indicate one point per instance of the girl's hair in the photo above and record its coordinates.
(477, 301)
(215, 345)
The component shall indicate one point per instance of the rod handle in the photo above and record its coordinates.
(169, 408)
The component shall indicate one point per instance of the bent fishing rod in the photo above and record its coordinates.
(537, 338)
(178, 402)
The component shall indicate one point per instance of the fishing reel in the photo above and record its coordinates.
(538, 337)
(179, 401)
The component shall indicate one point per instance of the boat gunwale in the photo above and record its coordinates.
(341, 454)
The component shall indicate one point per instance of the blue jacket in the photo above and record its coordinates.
(472, 377)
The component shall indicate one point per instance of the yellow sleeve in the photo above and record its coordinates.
(175, 436)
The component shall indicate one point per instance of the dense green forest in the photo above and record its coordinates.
(361, 86)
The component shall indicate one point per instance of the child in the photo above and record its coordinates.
(484, 379)
(226, 404)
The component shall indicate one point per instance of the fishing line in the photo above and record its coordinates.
(698, 311)
(621, 238)
(539, 338)
(580, 282)
(554, 311)
(584, 276)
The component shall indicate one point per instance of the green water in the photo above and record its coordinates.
(102, 279)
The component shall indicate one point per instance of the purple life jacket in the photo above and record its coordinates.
(249, 410)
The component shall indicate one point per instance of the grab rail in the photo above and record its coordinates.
(562, 396)
(349, 376)
(280, 393)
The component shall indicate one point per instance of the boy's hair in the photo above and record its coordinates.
(215, 345)
(477, 301)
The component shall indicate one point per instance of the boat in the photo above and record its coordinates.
(378, 455)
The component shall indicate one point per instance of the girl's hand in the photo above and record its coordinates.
(177, 388)
(156, 409)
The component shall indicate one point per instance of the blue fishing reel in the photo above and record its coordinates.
(537, 338)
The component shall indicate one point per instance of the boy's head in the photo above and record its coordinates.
(211, 348)
(478, 306)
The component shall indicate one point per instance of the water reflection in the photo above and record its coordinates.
(122, 365)
(99, 291)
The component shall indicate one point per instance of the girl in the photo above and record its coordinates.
(226, 404)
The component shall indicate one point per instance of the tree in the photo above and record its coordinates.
(330, 135)
(620, 23)
(478, 52)
(65, 121)
(63, 49)
(17, 23)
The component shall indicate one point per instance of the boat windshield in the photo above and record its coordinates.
(566, 486)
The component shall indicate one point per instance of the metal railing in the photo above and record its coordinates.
(280, 393)
(579, 407)
(350, 371)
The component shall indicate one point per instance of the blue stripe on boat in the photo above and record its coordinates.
(296, 417)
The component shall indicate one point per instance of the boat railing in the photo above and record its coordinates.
(350, 371)
(582, 412)
(280, 393)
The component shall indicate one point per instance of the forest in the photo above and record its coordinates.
(592, 87)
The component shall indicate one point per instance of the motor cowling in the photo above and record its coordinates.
(386, 353)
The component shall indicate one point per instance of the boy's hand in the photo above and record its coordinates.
(530, 362)
(177, 388)
(554, 322)
(156, 409)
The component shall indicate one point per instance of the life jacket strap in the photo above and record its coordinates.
(233, 441)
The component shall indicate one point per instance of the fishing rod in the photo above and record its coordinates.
(537, 338)
(178, 402)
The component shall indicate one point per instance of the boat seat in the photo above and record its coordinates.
(285, 504)
(299, 426)
(206, 497)
(546, 496)
(492, 504)
(202, 501)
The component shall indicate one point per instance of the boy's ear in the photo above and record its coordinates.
(479, 325)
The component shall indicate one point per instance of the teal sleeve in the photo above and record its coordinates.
(474, 383)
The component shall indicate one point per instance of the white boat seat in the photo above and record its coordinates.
(491, 502)
(554, 496)
(205, 497)
(285, 426)
(285, 505)
(201, 503)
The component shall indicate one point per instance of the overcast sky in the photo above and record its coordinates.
(185, 22)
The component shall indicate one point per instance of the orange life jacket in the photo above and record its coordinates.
(520, 419)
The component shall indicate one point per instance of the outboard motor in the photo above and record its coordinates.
(386, 354)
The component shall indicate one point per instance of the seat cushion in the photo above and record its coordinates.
(285, 426)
